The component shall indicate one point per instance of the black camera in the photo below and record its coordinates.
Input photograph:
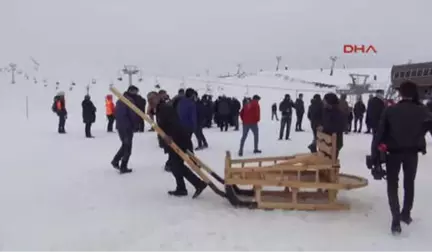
(376, 165)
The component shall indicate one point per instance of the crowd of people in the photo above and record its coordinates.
(186, 114)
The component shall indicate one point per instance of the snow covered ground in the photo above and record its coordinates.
(59, 192)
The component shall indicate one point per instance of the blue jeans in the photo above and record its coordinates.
(254, 129)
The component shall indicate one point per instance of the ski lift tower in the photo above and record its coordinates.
(333, 60)
(358, 87)
(13, 68)
(130, 70)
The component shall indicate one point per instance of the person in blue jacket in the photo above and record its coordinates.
(127, 121)
(187, 111)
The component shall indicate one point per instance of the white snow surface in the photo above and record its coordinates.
(59, 192)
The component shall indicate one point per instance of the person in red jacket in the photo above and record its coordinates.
(250, 116)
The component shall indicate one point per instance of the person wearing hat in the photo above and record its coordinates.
(402, 130)
(126, 123)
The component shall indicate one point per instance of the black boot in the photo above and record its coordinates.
(124, 169)
(406, 218)
(312, 148)
(256, 151)
(115, 164)
(178, 193)
(396, 227)
(199, 189)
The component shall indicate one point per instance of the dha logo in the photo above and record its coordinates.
(355, 49)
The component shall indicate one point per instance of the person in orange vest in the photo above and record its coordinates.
(59, 107)
(110, 112)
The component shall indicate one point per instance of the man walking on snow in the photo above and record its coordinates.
(169, 122)
(127, 122)
(250, 116)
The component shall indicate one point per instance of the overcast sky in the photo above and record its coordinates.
(183, 37)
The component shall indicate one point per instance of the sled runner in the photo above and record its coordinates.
(309, 181)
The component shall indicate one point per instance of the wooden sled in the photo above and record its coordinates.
(309, 181)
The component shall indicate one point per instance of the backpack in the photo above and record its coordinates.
(54, 107)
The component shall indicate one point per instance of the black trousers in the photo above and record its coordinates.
(236, 121)
(274, 114)
(349, 125)
(314, 127)
(61, 124)
(394, 162)
(180, 171)
(223, 122)
(201, 139)
(124, 153)
(141, 125)
(285, 125)
(111, 119)
(358, 120)
(299, 122)
(88, 129)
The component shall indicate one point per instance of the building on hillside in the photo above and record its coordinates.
(419, 73)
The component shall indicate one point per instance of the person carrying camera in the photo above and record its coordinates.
(402, 131)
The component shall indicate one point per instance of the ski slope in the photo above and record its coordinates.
(59, 192)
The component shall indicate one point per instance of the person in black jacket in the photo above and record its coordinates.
(169, 122)
(285, 107)
(368, 131)
(126, 123)
(235, 110)
(201, 120)
(429, 106)
(402, 131)
(315, 112)
(359, 110)
(141, 104)
(374, 110)
(164, 99)
(89, 115)
(333, 119)
(224, 112)
(274, 112)
(300, 110)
